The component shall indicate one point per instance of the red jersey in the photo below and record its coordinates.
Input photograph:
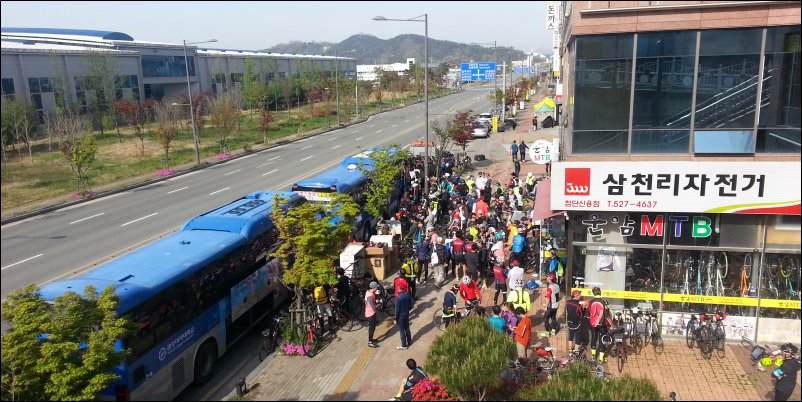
(458, 245)
(470, 292)
(400, 284)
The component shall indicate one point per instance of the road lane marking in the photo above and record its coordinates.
(359, 138)
(137, 220)
(175, 191)
(354, 132)
(274, 158)
(406, 146)
(20, 262)
(88, 217)
(232, 172)
(308, 157)
(372, 126)
(306, 147)
(394, 125)
(219, 191)
(332, 138)
(272, 171)
(378, 131)
(337, 146)
(264, 164)
(406, 121)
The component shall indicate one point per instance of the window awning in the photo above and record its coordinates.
(543, 202)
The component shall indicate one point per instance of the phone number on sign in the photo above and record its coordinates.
(610, 204)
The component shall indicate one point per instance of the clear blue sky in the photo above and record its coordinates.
(259, 25)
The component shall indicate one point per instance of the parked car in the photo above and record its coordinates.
(479, 130)
(488, 125)
(485, 117)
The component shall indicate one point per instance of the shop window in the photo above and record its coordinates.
(780, 286)
(660, 141)
(779, 122)
(724, 142)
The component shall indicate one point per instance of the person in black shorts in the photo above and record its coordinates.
(578, 322)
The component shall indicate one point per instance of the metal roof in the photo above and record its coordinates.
(106, 35)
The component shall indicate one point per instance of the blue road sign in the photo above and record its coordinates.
(522, 70)
(477, 71)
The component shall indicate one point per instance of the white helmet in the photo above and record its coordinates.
(466, 280)
(500, 260)
(519, 283)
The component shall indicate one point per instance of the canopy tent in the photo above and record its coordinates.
(544, 106)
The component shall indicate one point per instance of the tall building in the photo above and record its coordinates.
(680, 159)
(39, 63)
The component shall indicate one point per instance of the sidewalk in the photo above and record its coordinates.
(347, 369)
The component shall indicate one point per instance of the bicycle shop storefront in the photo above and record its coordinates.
(734, 245)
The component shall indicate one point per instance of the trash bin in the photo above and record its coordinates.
(548, 122)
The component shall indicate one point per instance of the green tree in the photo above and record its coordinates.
(311, 238)
(469, 357)
(388, 168)
(166, 118)
(18, 125)
(75, 359)
(576, 383)
(99, 82)
(254, 92)
(81, 156)
(225, 117)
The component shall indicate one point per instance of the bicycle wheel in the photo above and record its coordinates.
(390, 308)
(719, 337)
(343, 321)
(636, 342)
(357, 309)
(531, 266)
(437, 319)
(690, 337)
(265, 348)
(622, 355)
(706, 341)
(659, 345)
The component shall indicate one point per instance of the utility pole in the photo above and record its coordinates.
(504, 91)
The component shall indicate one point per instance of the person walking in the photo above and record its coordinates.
(522, 150)
(321, 295)
(500, 276)
(534, 122)
(403, 305)
(786, 374)
(408, 274)
(371, 313)
(577, 321)
(439, 259)
(552, 303)
(600, 320)
(523, 333)
(514, 150)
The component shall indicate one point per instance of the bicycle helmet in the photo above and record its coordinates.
(455, 287)
(576, 293)
(552, 277)
(466, 280)
(519, 283)
(500, 260)
(789, 348)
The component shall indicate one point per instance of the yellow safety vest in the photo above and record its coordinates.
(520, 298)
(320, 295)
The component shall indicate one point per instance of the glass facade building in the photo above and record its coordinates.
(687, 92)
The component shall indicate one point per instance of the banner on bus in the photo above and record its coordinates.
(772, 188)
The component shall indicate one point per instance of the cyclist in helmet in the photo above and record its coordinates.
(450, 305)
(498, 247)
(470, 292)
(787, 372)
(519, 297)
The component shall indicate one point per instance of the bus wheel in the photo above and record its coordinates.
(205, 362)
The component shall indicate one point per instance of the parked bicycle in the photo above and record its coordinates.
(652, 334)
(615, 341)
(707, 332)
(271, 338)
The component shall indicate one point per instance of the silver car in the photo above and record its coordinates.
(479, 130)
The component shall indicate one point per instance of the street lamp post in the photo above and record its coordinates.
(337, 83)
(189, 90)
(425, 88)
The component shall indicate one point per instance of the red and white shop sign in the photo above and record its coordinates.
(711, 187)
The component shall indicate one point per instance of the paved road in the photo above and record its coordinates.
(71, 239)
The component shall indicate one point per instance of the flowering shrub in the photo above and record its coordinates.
(429, 389)
(223, 156)
(88, 194)
(291, 349)
(164, 172)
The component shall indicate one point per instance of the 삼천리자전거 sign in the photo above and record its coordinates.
(712, 187)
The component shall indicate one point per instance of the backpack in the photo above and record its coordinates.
(607, 316)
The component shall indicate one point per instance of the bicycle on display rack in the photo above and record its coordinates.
(789, 271)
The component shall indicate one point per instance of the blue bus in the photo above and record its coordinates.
(346, 178)
(191, 295)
